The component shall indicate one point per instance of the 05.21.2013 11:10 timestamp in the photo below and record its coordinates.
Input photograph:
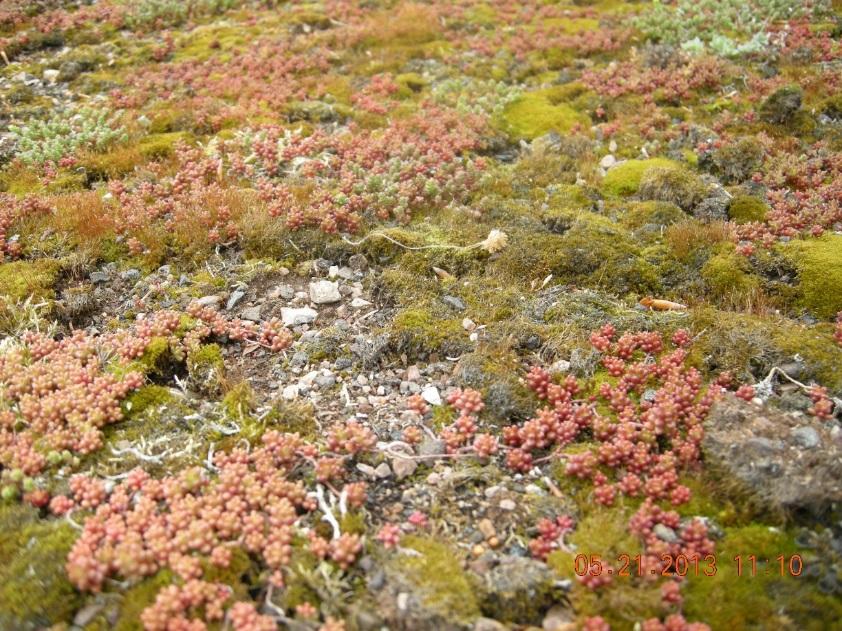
(686, 565)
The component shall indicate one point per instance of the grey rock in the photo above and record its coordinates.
(714, 207)
(252, 314)
(209, 301)
(454, 302)
(431, 395)
(432, 447)
(665, 533)
(287, 292)
(806, 437)
(518, 590)
(294, 317)
(234, 298)
(299, 359)
(324, 292)
(99, 277)
(489, 624)
(383, 470)
(403, 467)
(326, 381)
(130, 274)
(786, 462)
(358, 262)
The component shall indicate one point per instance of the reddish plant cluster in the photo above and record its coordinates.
(673, 84)
(659, 405)
(230, 87)
(550, 536)
(804, 193)
(190, 521)
(12, 211)
(413, 164)
(271, 334)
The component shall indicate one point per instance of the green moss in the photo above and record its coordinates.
(206, 368)
(418, 331)
(438, 578)
(353, 523)
(764, 601)
(157, 146)
(675, 185)
(157, 359)
(139, 597)
(294, 417)
(299, 587)
(728, 274)
(239, 401)
(67, 182)
(596, 251)
(535, 114)
(34, 589)
(20, 280)
(240, 574)
(747, 344)
(146, 398)
(745, 208)
(410, 83)
(652, 213)
(604, 533)
(819, 264)
(624, 179)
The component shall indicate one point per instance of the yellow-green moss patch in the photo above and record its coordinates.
(535, 114)
(819, 264)
(20, 280)
(745, 208)
(624, 179)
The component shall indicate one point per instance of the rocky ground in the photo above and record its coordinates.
(420, 315)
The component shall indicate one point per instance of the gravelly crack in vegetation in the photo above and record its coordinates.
(473, 315)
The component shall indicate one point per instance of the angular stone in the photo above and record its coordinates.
(324, 292)
(294, 317)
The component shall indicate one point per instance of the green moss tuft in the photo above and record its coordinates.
(239, 401)
(745, 208)
(21, 279)
(624, 179)
(764, 601)
(728, 274)
(34, 589)
(535, 114)
(674, 185)
(147, 398)
(138, 598)
(439, 578)
(206, 369)
(819, 264)
(157, 146)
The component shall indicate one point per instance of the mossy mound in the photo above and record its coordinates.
(745, 209)
(437, 579)
(765, 600)
(674, 185)
(653, 214)
(535, 114)
(819, 264)
(206, 369)
(728, 275)
(750, 346)
(20, 280)
(34, 590)
(624, 179)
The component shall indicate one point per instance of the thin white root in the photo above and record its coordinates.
(329, 517)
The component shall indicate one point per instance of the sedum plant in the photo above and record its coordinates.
(64, 133)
